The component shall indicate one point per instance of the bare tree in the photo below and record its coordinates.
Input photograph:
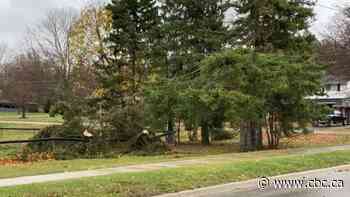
(335, 48)
(50, 38)
(27, 80)
(3, 52)
(18, 85)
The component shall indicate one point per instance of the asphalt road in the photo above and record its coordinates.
(339, 176)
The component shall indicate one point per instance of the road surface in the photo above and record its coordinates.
(250, 188)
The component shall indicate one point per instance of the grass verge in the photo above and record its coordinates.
(182, 152)
(173, 180)
(47, 167)
(31, 117)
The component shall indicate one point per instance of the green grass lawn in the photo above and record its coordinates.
(31, 117)
(184, 151)
(13, 120)
(15, 135)
(46, 167)
(20, 125)
(10, 150)
(174, 180)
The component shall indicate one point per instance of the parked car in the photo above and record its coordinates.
(332, 119)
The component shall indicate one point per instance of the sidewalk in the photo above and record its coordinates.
(148, 167)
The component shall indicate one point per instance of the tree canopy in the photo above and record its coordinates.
(174, 64)
(257, 86)
(274, 24)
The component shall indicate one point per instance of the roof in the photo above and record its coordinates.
(5, 101)
(332, 79)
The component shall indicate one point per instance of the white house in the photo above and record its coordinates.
(337, 95)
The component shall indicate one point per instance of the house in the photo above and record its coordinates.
(337, 96)
(8, 106)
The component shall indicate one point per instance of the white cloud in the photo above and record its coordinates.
(17, 15)
(325, 12)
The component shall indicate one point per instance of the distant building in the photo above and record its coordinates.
(337, 96)
(8, 106)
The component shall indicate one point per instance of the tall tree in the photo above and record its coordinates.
(190, 31)
(87, 44)
(27, 79)
(269, 91)
(270, 26)
(50, 38)
(19, 83)
(121, 74)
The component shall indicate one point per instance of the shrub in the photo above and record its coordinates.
(154, 148)
(222, 134)
(124, 123)
(47, 106)
(307, 131)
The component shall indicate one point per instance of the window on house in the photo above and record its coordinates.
(339, 88)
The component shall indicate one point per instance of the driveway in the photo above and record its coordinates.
(333, 130)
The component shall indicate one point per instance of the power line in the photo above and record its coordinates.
(336, 8)
(327, 7)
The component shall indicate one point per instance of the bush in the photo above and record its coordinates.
(124, 123)
(222, 134)
(47, 106)
(307, 131)
(155, 148)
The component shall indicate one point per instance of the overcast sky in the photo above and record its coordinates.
(16, 15)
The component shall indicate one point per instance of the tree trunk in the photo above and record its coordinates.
(193, 135)
(170, 139)
(273, 131)
(23, 111)
(205, 134)
(250, 136)
(179, 132)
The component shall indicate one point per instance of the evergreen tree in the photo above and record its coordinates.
(270, 26)
(121, 74)
(191, 30)
(269, 92)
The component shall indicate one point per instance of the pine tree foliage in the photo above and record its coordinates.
(190, 31)
(260, 86)
(274, 24)
(122, 73)
(174, 61)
